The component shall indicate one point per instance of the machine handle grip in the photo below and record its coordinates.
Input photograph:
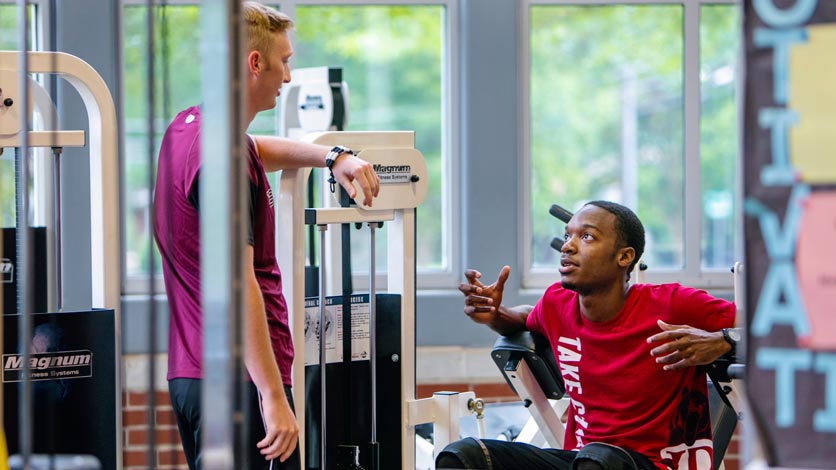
(560, 213)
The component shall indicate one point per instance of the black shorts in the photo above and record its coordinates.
(185, 399)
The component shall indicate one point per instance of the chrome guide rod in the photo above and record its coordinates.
(321, 333)
(24, 254)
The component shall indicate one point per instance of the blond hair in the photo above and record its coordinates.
(262, 23)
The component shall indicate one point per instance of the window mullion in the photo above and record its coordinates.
(691, 122)
(529, 278)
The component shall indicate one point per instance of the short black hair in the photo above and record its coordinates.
(629, 227)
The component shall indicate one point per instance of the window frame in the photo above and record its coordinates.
(450, 123)
(692, 273)
(41, 36)
(42, 204)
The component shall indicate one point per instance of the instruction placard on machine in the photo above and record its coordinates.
(360, 349)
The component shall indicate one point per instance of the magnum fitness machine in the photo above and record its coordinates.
(367, 389)
(74, 369)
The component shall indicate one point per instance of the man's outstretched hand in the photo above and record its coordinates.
(480, 301)
(686, 346)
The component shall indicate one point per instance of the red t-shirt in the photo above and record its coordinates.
(177, 232)
(619, 394)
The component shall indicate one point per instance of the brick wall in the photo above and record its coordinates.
(169, 454)
(490, 392)
(732, 460)
(136, 437)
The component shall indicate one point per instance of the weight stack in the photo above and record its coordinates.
(348, 382)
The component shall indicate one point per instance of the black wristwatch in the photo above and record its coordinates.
(732, 336)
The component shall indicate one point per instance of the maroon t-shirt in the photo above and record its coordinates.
(619, 393)
(177, 233)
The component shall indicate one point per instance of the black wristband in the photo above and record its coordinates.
(330, 158)
(335, 152)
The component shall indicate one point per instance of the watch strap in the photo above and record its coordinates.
(728, 337)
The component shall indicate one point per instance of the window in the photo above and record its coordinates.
(177, 86)
(719, 45)
(9, 40)
(634, 103)
(394, 58)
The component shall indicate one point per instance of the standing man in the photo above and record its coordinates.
(635, 404)
(268, 352)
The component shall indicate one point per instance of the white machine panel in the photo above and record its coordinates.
(403, 177)
(399, 165)
(10, 115)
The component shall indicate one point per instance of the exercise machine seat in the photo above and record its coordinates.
(535, 350)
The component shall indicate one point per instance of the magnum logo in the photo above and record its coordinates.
(378, 168)
(49, 366)
(7, 270)
(393, 173)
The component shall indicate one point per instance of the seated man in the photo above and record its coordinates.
(637, 399)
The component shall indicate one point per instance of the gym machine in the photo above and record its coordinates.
(376, 358)
(79, 402)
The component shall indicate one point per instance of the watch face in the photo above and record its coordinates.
(734, 334)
